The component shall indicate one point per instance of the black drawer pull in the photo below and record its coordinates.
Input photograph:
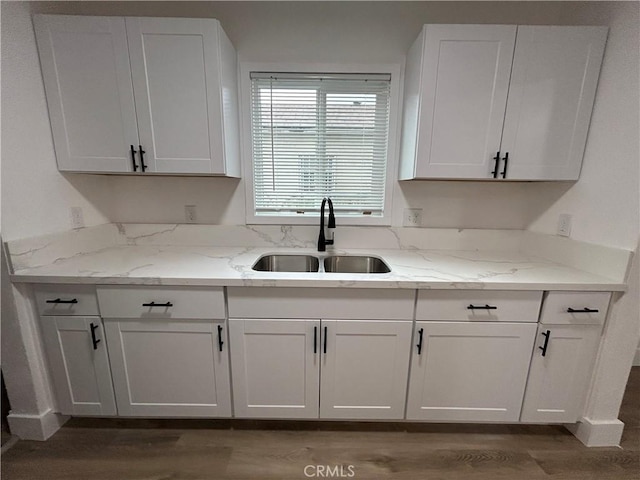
(324, 348)
(481, 307)
(95, 340)
(143, 167)
(584, 310)
(133, 159)
(154, 304)
(59, 300)
(419, 345)
(497, 165)
(220, 342)
(546, 336)
(506, 164)
(315, 340)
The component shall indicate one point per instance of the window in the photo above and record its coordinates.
(316, 136)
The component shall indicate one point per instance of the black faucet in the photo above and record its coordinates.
(322, 241)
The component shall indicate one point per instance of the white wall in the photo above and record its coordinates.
(37, 197)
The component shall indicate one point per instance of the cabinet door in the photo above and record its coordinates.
(85, 66)
(365, 366)
(276, 368)
(553, 85)
(79, 365)
(559, 379)
(468, 371)
(170, 368)
(463, 92)
(175, 64)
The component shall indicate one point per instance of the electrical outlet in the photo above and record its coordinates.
(77, 218)
(564, 225)
(190, 213)
(412, 217)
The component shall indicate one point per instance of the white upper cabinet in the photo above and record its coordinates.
(85, 66)
(477, 108)
(143, 95)
(456, 85)
(553, 86)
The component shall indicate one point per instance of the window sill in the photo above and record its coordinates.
(315, 220)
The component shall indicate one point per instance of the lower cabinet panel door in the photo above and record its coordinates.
(170, 368)
(79, 365)
(276, 367)
(468, 371)
(365, 365)
(558, 381)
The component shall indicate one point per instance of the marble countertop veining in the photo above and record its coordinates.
(231, 266)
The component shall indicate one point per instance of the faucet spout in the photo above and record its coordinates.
(322, 240)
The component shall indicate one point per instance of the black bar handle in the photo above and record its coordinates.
(494, 172)
(154, 304)
(59, 300)
(324, 348)
(481, 307)
(419, 345)
(315, 340)
(546, 335)
(506, 164)
(220, 342)
(95, 340)
(133, 159)
(143, 167)
(584, 310)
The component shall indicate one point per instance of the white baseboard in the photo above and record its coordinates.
(35, 427)
(596, 433)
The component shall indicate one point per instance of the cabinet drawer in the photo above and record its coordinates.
(324, 303)
(161, 302)
(589, 308)
(478, 306)
(66, 300)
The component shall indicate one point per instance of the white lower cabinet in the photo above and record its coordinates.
(276, 367)
(173, 368)
(346, 369)
(364, 369)
(79, 365)
(561, 368)
(462, 371)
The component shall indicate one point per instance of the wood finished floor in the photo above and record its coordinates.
(188, 450)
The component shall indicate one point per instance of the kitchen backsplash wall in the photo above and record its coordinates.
(36, 198)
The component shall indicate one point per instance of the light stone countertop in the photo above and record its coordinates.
(231, 266)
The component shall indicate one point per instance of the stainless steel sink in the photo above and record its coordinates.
(355, 264)
(287, 263)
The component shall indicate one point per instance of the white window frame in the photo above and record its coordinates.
(393, 145)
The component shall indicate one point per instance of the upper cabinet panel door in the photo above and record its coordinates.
(553, 85)
(85, 66)
(177, 91)
(464, 84)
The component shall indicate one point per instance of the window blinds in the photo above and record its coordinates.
(317, 136)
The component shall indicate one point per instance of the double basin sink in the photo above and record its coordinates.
(331, 264)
